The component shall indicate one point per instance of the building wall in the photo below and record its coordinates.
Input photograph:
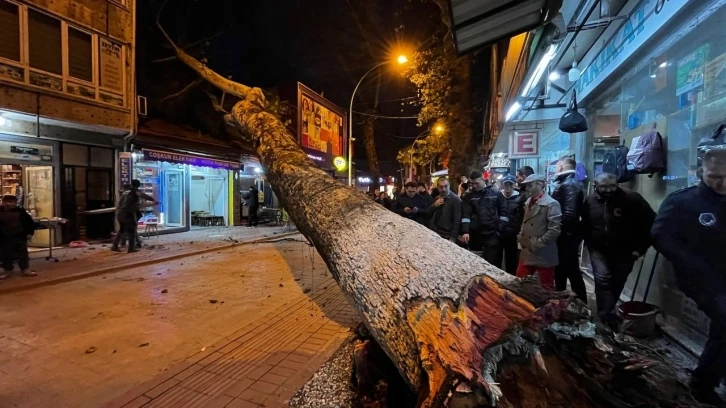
(108, 22)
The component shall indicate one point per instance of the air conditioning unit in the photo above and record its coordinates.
(141, 106)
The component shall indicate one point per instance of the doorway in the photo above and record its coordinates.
(86, 189)
(174, 198)
(209, 197)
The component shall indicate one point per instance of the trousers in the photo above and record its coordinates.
(511, 254)
(546, 274)
(252, 219)
(127, 230)
(712, 364)
(568, 252)
(491, 249)
(611, 273)
(15, 249)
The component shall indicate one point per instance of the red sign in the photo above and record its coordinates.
(321, 128)
(523, 144)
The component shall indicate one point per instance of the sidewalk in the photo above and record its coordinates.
(96, 259)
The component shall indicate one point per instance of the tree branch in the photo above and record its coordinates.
(156, 61)
(186, 89)
(216, 80)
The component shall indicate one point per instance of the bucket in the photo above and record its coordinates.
(639, 318)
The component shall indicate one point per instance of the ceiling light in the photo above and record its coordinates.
(513, 111)
(663, 65)
(2, 121)
(652, 75)
(539, 70)
(554, 76)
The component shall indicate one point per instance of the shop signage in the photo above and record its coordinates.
(157, 155)
(643, 22)
(111, 65)
(24, 150)
(339, 163)
(499, 161)
(523, 145)
(124, 168)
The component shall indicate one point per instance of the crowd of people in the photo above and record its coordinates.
(526, 226)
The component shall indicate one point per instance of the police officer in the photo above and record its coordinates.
(690, 230)
(480, 212)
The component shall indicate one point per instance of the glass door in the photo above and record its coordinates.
(174, 198)
(39, 199)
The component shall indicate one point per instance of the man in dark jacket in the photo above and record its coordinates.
(511, 223)
(445, 212)
(127, 215)
(16, 227)
(616, 225)
(252, 201)
(480, 212)
(423, 191)
(570, 194)
(412, 205)
(690, 231)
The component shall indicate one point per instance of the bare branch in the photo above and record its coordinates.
(215, 103)
(216, 80)
(186, 89)
(156, 61)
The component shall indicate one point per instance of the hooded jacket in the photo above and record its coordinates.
(511, 218)
(15, 224)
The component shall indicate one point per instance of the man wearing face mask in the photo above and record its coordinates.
(690, 231)
(616, 225)
(481, 210)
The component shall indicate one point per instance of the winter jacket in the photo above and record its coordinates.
(511, 217)
(252, 198)
(617, 226)
(15, 224)
(540, 230)
(570, 194)
(445, 219)
(481, 211)
(690, 231)
(419, 202)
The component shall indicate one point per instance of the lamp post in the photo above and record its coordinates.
(401, 60)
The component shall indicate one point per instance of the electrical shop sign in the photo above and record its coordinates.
(642, 24)
(170, 157)
(523, 145)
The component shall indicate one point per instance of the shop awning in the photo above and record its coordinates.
(478, 23)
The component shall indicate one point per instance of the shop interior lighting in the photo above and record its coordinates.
(513, 111)
(258, 170)
(574, 73)
(539, 70)
(663, 64)
(554, 76)
(3, 121)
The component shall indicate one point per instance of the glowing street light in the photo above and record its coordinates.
(439, 128)
(401, 60)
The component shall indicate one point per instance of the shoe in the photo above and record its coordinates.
(132, 251)
(28, 273)
(115, 249)
(4, 275)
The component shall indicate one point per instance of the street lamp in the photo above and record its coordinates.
(402, 59)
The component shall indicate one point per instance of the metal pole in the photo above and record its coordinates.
(350, 123)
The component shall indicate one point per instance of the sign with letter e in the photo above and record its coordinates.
(523, 144)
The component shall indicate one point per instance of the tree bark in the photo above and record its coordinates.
(465, 157)
(461, 332)
(369, 140)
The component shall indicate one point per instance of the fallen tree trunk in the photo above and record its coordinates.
(461, 332)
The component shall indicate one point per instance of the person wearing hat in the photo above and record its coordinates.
(539, 233)
(480, 212)
(510, 222)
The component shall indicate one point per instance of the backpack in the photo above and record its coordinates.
(573, 121)
(718, 139)
(650, 155)
(615, 161)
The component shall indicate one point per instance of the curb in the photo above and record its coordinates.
(117, 268)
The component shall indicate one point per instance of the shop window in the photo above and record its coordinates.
(101, 157)
(9, 31)
(45, 42)
(80, 55)
(75, 155)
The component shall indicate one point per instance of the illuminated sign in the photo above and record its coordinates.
(314, 157)
(339, 163)
(523, 145)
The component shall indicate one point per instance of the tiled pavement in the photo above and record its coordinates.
(75, 263)
(261, 365)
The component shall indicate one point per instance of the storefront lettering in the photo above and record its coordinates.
(156, 155)
(631, 29)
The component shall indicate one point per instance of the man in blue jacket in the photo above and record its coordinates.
(690, 230)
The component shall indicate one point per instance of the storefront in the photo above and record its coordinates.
(663, 70)
(192, 191)
(28, 169)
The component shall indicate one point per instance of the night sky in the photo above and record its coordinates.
(276, 42)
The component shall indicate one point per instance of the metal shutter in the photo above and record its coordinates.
(45, 42)
(9, 31)
(80, 55)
